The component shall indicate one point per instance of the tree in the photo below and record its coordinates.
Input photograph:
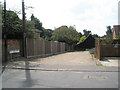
(13, 23)
(66, 34)
(47, 34)
(38, 24)
(31, 31)
(109, 32)
(80, 34)
(86, 32)
(14, 26)
(95, 36)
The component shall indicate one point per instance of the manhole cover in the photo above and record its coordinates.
(95, 77)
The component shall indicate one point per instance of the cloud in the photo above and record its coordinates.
(96, 15)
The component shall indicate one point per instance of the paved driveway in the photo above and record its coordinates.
(70, 58)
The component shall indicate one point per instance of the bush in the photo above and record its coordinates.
(92, 51)
(117, 38)
(106, 41)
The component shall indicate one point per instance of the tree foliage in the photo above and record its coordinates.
(31, 31)
(14, 26)
(66, 34)
(47, 34)
(80, 34)
(13, 23)
(95, 36)
(37, 24)
(109, 32)
(86, 32)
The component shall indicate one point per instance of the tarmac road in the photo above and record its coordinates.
(59, 79)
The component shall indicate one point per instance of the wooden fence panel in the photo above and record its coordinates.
(62, 47)
(66, 47)
(53, 47)
(71, 47)
(108, 50)
(47, 47)
(35, 47)
(58, 47)
(30, 47)
(43, 47)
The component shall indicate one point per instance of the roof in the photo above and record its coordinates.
(89, 42)
(89, 36)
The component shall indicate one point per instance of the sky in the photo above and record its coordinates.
(92, 15)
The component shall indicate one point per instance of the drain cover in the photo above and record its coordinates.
(95, 77)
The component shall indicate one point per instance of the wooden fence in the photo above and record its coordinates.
(108, 50)
(13, 50)
(34, 48)
(44, 48)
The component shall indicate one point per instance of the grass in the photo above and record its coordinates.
(99, 64)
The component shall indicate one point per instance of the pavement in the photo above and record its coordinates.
(110, 61)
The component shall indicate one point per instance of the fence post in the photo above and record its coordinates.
(44, 47)
(52, 47)
(26, 47)
(34, 47)
(98, 49)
